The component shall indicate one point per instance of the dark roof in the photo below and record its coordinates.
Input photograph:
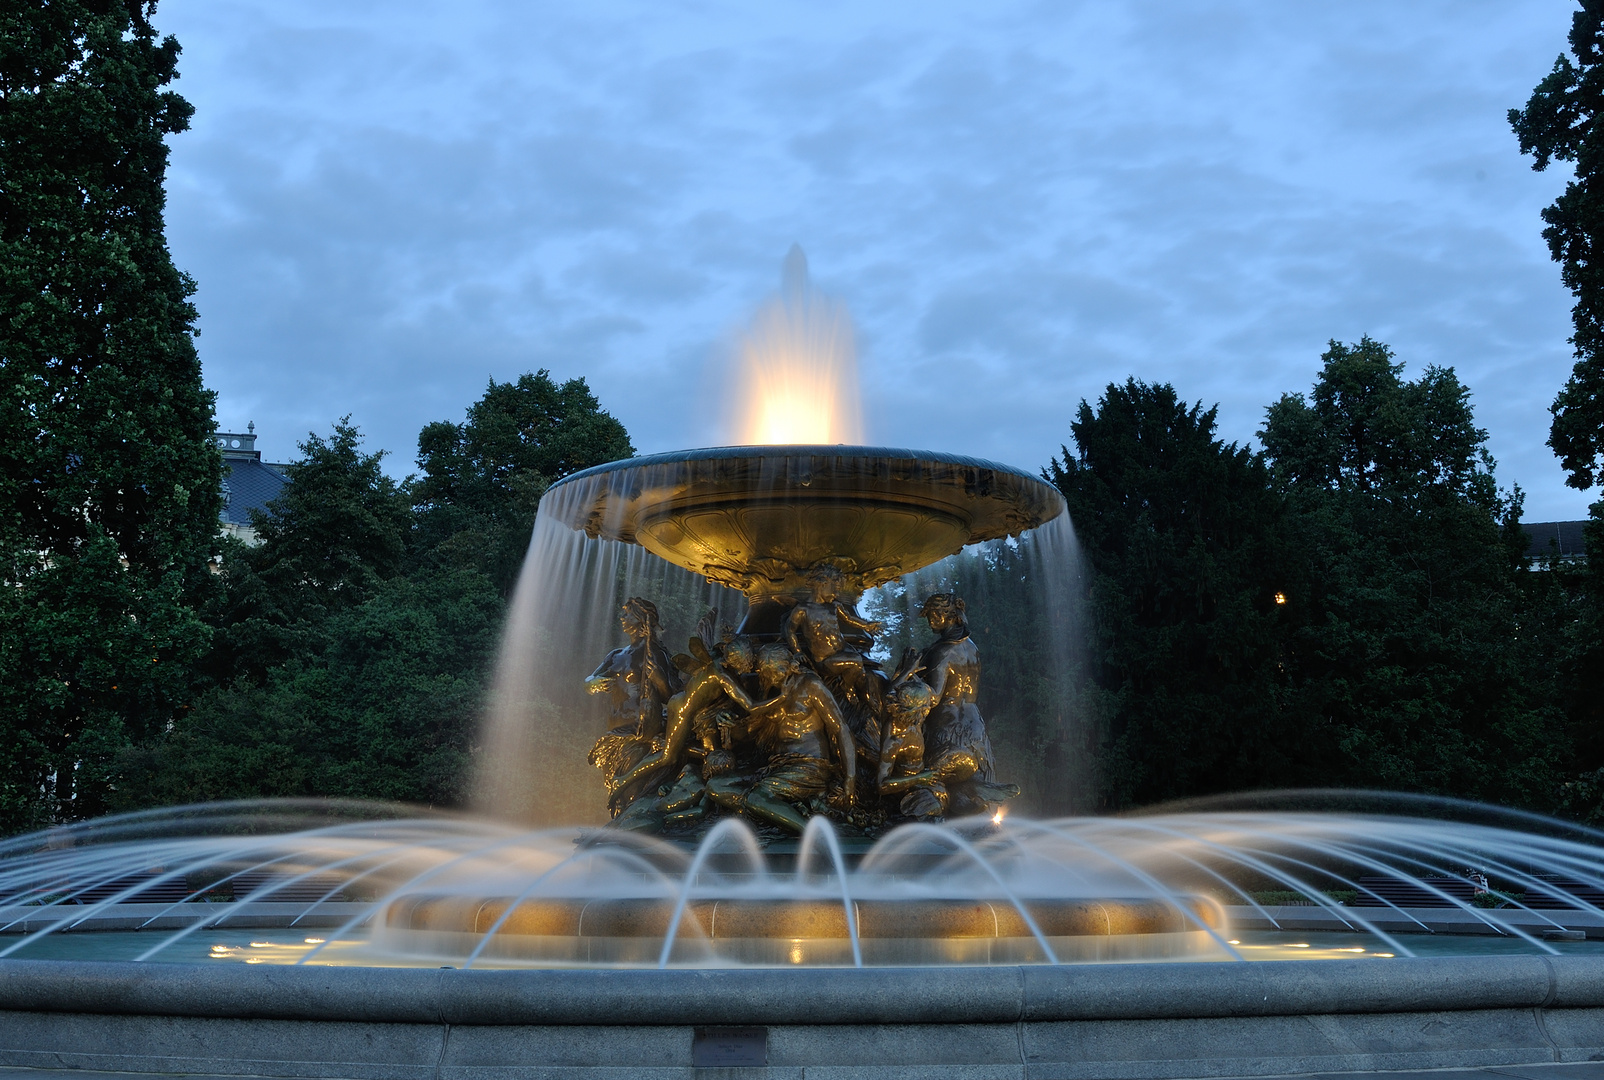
(248, 485)
(1543, 536)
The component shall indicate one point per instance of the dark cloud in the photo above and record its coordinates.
(388, 204)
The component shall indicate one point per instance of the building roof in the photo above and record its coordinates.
(249, 483)
(1542, 537)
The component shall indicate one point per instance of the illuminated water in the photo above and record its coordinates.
(278, 947)
(359, 860)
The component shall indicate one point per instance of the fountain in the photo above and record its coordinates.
(783, 845)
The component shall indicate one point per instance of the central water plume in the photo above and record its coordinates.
(797, 377)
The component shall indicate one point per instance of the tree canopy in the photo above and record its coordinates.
(1403, 656)
(1558, 124)
(354, 642)
(481, 479)
(1348, 607)
(1180, 528)
(109, 482)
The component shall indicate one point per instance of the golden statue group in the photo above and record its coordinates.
(802, 725)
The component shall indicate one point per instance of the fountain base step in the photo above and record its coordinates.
(786, 932)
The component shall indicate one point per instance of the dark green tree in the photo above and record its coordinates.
(1181, 530)
(1557, 125)
(1405, 652)
(380, 701)
(108, 478)
(337, 531)
(482, 479)
(340, 667)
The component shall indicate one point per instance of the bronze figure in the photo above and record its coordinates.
(639, 678)
(695, 710)
(797, 733)
(808, 725)
(818, 629)
(957, 749)
(902, 753)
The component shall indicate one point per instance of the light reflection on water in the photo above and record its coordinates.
(290, 947)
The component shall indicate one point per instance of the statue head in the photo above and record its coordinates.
(774, 664)
(639, 618)
(826, 582)
(945, 610)
(738, 654)
(908, 706)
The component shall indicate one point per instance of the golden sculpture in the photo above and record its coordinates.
(814, 630)
(640, 678)
(773, 738)
(791, 717)
(802, 741)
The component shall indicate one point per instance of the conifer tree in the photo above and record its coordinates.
(108, 476)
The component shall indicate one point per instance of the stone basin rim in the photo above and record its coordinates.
(835, 995)
(797, 450)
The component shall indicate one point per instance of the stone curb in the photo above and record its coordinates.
(934, 995)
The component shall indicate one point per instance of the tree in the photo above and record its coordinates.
(1558, 125)
(381, 701)
(1405, 652)
(1181, 530)
(339, 529)
(340, 667)
(108, 477)
(483, 478)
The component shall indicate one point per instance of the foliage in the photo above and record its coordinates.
(108, 478)
(1565, 624)
(355, 641)
(381, 702)
(333, 535)
(483, 478)
(1181, 531)
(1558, 125)
(1403, 656)
(1348, 608)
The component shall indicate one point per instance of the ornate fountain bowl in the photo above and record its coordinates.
(756, 518)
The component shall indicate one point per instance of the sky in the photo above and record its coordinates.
(386, 205)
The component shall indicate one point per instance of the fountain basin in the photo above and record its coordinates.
(756, 518)
(1136, 1021)
(786, 932)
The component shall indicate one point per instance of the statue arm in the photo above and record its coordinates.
(601, 680)
(732, 687)
(857, 622)
(907, 783)
(608, 666)
(936, 672)
(765, 710)
(798, 616)
(887, 760)
(843, 739)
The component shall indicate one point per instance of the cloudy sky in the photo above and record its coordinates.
(387, 204)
